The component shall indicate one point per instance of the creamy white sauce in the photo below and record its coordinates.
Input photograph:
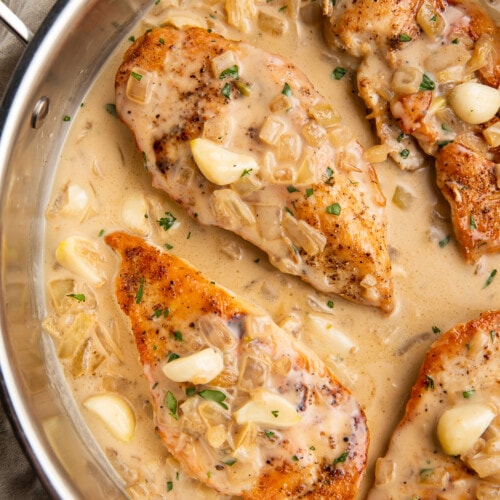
(434, 287)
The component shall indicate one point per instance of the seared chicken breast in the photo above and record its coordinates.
(429, 72)
(446, 445)
(241, 139)
(242, 406)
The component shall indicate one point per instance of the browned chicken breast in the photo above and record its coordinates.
(430, 72)
(241, 405)
(242, 140)
(447, 444)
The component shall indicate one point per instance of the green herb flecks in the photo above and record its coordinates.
(342, 458)
(171, 404)
(429, 382)
(215, 396)
(444, 241)
(291, 189)
(226, 91)
(404, 153)
(140, 292)
(286, 90)
(135, 75)
(472, 222)
(427, 83)
(338, 73)
(436, 329)
(403, 37)
(230, 461)
(231, 72)
(468, 394)
(178, 336)
(66, 118)
(168, 221)
(490, 278)
(172, 356)
(170, 486)
(80, 297)
(334, 209)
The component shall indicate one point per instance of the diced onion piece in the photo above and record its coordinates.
(484, 464)
(230, 210)
(240, 13)
(220, 165)
(306, 174)
(139, 85)
(482, 50)
(461, 426)
(115, 413)
(216, 436)
(82, 257)
(325, 115)
(430, 20)
(271, 130)
(406, 80)
(183, 19)
(74, 334)
(475, 102)
(272, 22)
(492, 135)
(304, 235)
(269, 219)
(280, 103)
(216, 129)
(268, 409)
(222, 62)
(377, 153)
(134, 211)
(314, 133)
(198, 368)
(402, 198)
(77, 201)
(289, 147)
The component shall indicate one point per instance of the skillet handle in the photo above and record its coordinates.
(15, 24)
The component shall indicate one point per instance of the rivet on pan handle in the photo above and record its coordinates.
(15, 24)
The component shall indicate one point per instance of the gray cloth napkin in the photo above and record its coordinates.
(17, 478)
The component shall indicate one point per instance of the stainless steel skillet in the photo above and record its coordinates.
(54, 74)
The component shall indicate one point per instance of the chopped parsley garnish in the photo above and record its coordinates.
(170, 486)
(162, 41)
(427, 83)
(66, 118)
(168, 246)
(246, 172)
(455, 41)
(286, 90)
(168, 221)
(281, 9)
(404, 153)
(295, 458)
(231, 72)
(472, 222)
(111, 109)
(468, 394)
(289, 211)
(226, 91)
(329, 173)
(429, 382)
(275, 413)
(131, 38)
(171, 404)
(77, 296)
(403, 37)
(188, 235)
(444, 241)
(490, 278)
(135, 75)
(493, 335)
(140, 292)
(172, 356)
(101, 233)
(190, 391)
(291, 189)
(312, 448)
(269, 434)
(442, 144)
(338, 73)
(309, 192)
(436, 329)
(334, 209)
(330, 304)
(178, 336)
(341, 458)
(401, 136)
(161, 312)
(155, 385)
(215, 396)
(229, 461)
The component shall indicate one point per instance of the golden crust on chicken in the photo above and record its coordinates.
(243, 141)
(239, 403)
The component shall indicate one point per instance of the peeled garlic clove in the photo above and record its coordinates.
(198, 368)
(81, 256)
(220, 165)
(461, 426)
(115, 413)
(474, 102)
(268, 408)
